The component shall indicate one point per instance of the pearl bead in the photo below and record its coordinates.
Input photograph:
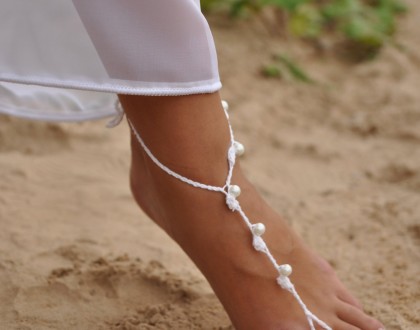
(258, 229)
(239, 148)
(225, 105)
(285, 269)
(234, 190)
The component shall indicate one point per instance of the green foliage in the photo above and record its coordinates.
(306, 22)
(207, 5)
(271, 71)
(366, 26)
(294, 69)
(285, 67)
(288, 5)
(238, 7)
(361, 26)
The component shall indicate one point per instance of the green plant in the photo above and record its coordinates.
(271, 71)
(294, 69)
(285, 67)
(360, 27)
(207, 5)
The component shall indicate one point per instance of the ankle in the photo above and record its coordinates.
(189, 134)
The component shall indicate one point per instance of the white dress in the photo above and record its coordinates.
(66, 59)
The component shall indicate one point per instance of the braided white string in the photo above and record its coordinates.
(168, 170)
(234, 205)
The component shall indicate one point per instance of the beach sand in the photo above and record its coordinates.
(339, 159)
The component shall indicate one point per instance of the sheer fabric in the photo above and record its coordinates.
(143, 47)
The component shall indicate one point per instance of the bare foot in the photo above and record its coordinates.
(189, 134)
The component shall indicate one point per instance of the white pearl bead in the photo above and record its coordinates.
(285, 269)
(234, 190)
(258, 229)
(239, 148)
(225, 105)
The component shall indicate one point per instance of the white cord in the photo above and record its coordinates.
(258, 243)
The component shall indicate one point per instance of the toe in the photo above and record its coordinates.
(347, 297)
(341, 325)
(356, 317)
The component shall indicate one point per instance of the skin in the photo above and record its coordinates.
(189, 134)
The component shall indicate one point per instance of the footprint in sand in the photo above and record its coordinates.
(398, 174)
(119, 293)
(31, 137)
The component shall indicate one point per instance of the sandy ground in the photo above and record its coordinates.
(340, 160)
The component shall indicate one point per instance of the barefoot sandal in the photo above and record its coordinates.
(231, 192)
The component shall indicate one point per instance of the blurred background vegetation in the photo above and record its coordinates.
(355, 30)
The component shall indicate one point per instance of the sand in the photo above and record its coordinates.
(340, 160)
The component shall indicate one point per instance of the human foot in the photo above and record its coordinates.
(217, 240)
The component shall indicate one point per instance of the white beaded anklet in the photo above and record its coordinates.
(232, 192)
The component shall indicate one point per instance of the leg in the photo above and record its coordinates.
(189, 134)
